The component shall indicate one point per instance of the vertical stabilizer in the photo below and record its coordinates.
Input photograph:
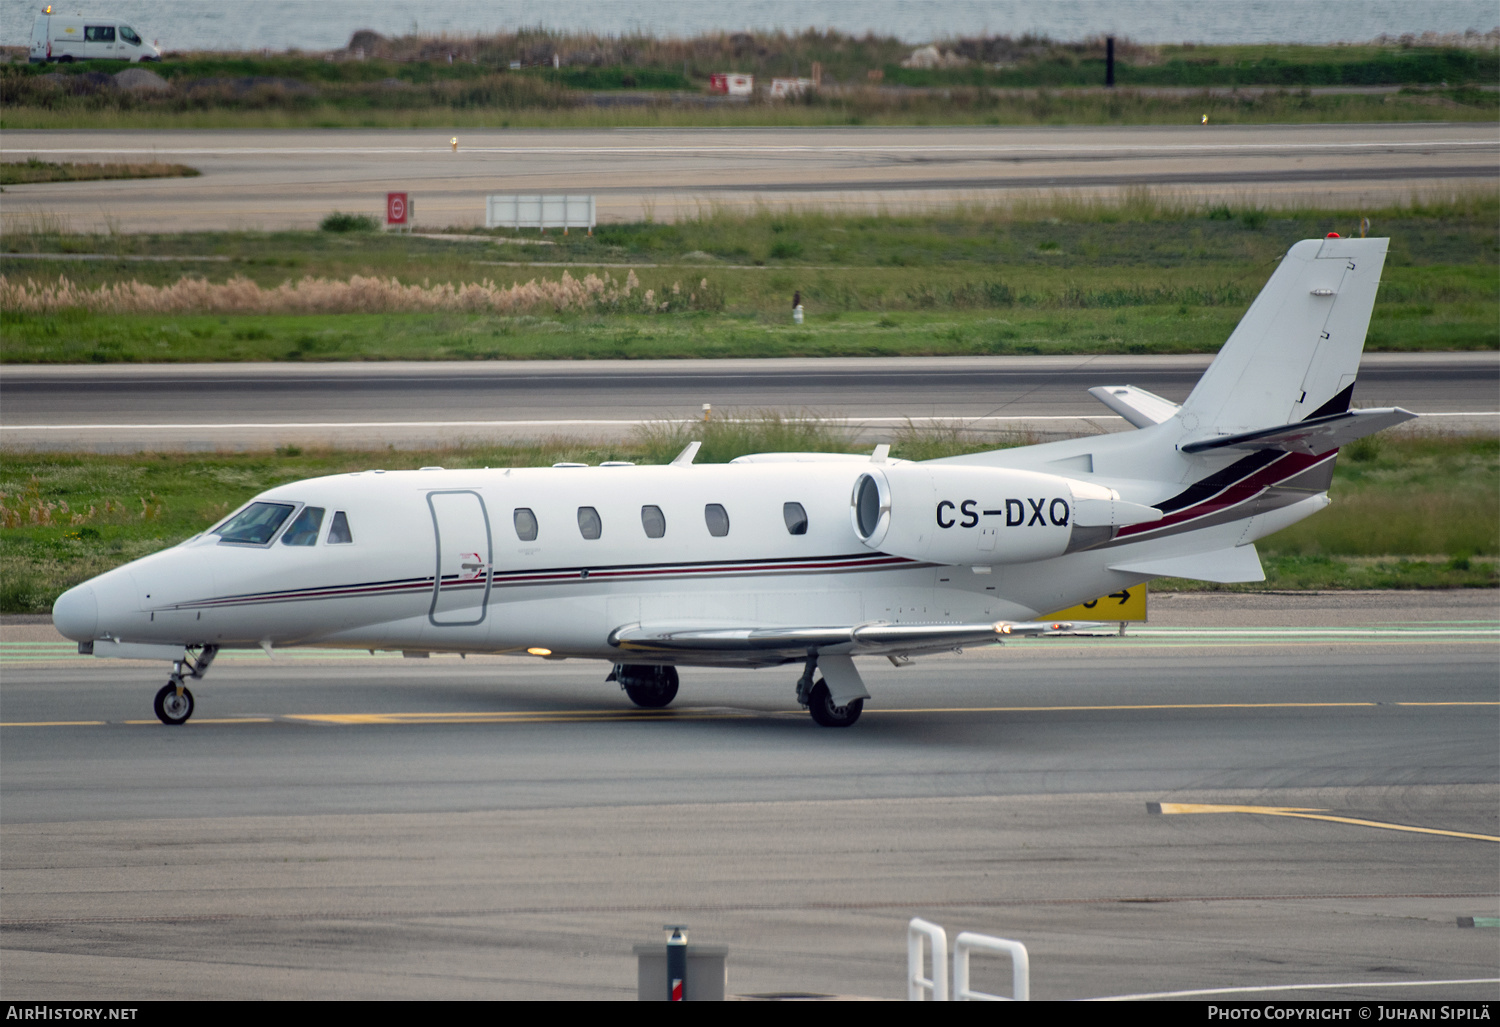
(1296, 351)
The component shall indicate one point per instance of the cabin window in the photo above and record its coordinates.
(717, 519)
(589, 525)
(304, 530)
(339, 533)
(99, 33)
(128, 34)
(525, 524)
(255, 525)
(654, 521)
(795, 517)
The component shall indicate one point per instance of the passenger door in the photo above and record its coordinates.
(461, 531)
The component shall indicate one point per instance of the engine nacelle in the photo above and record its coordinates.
(984, 515)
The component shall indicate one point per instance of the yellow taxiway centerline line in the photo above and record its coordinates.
(1310, 813)
(529, 717)
(195, 720)
(54, 723)
(1174, 706)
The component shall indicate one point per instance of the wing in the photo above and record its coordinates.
(776, 644)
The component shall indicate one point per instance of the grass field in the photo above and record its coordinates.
(1407, 512)
(1146, 273)
(31, 171)
(948, 106)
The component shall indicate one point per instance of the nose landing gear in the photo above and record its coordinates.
(174, 703)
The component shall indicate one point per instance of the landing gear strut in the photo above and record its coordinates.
(815, 697)
(174, 703)
(647, 686)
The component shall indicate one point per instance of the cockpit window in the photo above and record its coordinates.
(304, 530)
(338, 532)
(255, 525)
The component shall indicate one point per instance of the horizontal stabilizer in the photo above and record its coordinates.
(1242, 563)
(857, 639)
(1139, 407)
(1314, 436)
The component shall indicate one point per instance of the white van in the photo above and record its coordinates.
(75, 37)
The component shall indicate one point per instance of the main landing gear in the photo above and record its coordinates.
(815, 697)
(174, 703)
(650, 687)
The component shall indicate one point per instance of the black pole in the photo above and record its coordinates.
(1109, 61)
(676, 964)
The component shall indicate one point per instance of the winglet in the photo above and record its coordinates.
(685, 458)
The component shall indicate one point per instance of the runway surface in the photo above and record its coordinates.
(237, 406)
(281, 179)
(492, 828)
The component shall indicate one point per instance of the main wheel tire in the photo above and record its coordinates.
(650, 687)
(172, 708)
(826, 714)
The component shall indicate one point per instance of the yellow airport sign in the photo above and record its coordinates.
(1125, 605)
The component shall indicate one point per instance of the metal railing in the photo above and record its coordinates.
(1020, 968)
(922, 935)
(917, 986)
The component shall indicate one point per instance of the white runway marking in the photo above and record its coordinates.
(1292, 987)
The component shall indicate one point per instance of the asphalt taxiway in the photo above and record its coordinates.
(1327, 771)
(255, 179)
(124, 407)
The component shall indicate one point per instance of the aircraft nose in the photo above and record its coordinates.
(76, 613)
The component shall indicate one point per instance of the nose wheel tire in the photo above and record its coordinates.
(172, 708)
(826, 714)
(650, 687)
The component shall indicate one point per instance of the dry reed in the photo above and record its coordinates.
(358, 295)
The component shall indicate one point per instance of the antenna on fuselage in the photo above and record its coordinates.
(685, 458)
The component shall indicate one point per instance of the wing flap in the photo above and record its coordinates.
(855, 639)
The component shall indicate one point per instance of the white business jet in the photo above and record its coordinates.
(780, 558)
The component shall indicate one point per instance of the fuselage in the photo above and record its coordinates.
(555, 559)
